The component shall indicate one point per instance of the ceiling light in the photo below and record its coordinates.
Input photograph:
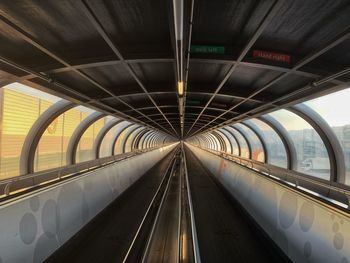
(180, 88)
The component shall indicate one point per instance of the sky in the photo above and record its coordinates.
(334, 108)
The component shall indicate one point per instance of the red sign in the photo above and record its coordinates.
(271, 56)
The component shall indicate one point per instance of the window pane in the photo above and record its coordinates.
(235, 149)
(118, 148)
(86, 143)
(142, 141)
(106, 147)
(311, 153)
(131, 138)
(21, 106)
(147, 139)
(335, 110)
(52, 147)
(216, 142)
(256, 147)
(275, 149)
(242, 142)
(227, 143)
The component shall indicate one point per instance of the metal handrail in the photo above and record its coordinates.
(151, 205)
(279, 173)
(197, 258)
(157, 215)
(59, 173)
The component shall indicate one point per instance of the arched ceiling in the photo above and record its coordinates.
(121, 56)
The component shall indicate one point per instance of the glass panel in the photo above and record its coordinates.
(232, 140)
(255, 144)
(85, 146)
(52, 147)
(118, 147)
(148, 140)
(311, 152)
(210, 142)
(20, 107)
(131, 138)
(106, 147)
(242, 142)
(335, 110)
(203, 141)
(216, 142)
(276, 152)
(142, 141)
(227, 143)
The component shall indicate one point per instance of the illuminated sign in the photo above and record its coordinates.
(207, 49)
(271, 56)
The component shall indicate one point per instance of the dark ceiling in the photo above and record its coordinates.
(120, 56)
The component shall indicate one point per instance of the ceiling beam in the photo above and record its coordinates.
(268, 17)
(339, 39)
(10, 23)
(98, 26)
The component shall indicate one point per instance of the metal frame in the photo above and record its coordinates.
(142, 140)
(291, 152)
(11, 23)
(297, 66)
(215, 144)
(152, 140)
(101, 135)
(263, 24)
(221, 141)
(330, 140)
(99, 28)
(127, 137)
(239, 130)
(260, 138)
(78, 133)
(135, 143)
(26, 165)
(116, 137)
(156, 139)
(234, 137)
(148, 139)
(223, 135)
(208, 142)
(204, 141)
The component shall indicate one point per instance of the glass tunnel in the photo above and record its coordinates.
(178, 131)
(309, 138)
(64, 133)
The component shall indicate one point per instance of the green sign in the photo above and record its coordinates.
(207, 49)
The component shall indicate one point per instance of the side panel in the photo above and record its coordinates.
(305, 229)
(34, 226)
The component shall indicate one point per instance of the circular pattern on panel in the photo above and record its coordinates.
(34, 203)
(264, 202)
(28, 228)
(288, 209)
(306, 216)
(49, 218)
(338, 238)
(71, 210)
(307, 249)
(44, 247)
